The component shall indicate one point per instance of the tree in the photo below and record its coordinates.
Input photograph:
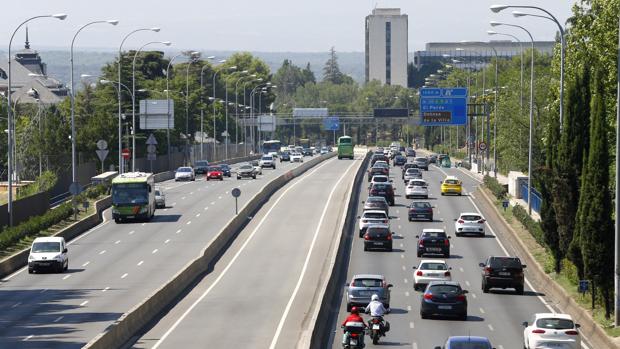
(548, 222)
(595, 204)
(308, 75)
(331, 71)
(570, 161)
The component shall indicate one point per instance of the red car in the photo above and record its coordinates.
(215, 172)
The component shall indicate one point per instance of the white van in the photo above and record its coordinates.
(48, 253)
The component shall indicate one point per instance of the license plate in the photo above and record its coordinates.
(44, 264)
(130, 216)
(420, 215)
(381, 193)
(433, 274)
(433, 249)
(353, 341)
(366, 293)
(377, 243)
(375, 327)
(554, 345)
(444, 307)
(504, 273)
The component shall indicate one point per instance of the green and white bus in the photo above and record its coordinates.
(133, 196)
(345, 147)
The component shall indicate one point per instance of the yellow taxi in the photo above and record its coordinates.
(451, 185)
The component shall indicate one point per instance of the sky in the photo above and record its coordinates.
(265, 25)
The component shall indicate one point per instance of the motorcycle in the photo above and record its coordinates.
(377, 328)
(355, 337)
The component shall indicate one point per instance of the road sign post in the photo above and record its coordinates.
(443, 106)
(151, 150)
(236, 192)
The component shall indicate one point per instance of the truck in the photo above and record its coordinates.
(133, 196)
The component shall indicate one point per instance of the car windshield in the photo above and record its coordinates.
(420, 205)
(380, 186)
(412, 170)
(245, 167)
(506, 262)
(451, 181)
(255, 163)
(202, 163)
(471, 217)
(375, 215)
(433, 266)
(367, 283)
(267, 158)
(224, 167)
(434, 234)
(157, 192)
(555, 324)
(184, 169)
(379, 199)
(377, 232)
(42, 247)
(447, 289)
(215, 168)
(469, 345)
(130, 193)
(420, 160)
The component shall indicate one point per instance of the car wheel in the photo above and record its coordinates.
(117, 220)
(463, 317)
(432, 218)
(207, 179)
(446, 255)
(238, 178)
(519, 290)
(60, 268)
(485, 288)
(390, 249)
(419, 254)
(423, 315)
(67, 265)
(254, 177)
(457, 234)
(442, 194)
(365, 248)
(410, 219)
(30, 270)
(349, 307)
(361, 233)
(416, 287)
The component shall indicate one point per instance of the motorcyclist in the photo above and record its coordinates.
(376, 310)
(354, 319)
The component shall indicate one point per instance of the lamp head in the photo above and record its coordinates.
(60, 16)
(491, 32)
(222, 61)
(112, 21)
(498, 8)
(495, 23)
(167, 43)
(104, 81)
(519, 14)
(155, 29)
(234, 67)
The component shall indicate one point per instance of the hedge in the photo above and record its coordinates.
(531, 225)
(34, 225)
(495, 187)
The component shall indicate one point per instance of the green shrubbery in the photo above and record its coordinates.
(531, 225)
(495, 187)
(37, 224)
(44, 182)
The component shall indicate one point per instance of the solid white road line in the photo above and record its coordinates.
(58, 319)
(105, 289)
(83, 303)
(27, 338)
(66, 277)
(234, 258)
(85, 264)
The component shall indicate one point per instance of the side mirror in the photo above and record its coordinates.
(465, 291)
(449, 268)
(524, 266)
(577, 325)
(449, 237)
(358, 217)
(414, 267)
(363, 202)
(417, 236)
(390, 285)
(347, 284)
(481, 265)
(524, 324)
(455, 219)
(65, 250)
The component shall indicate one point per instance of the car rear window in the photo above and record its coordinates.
(378, 199)
(555, 324)
(412, 170)
(417, 184)
(469, 345)
(215, 168)
(451, 181)
(379, 215)
(380, 179)
(202, 163)
(367, 283)
(421, 159)
(420, 205)
(267, 158)
(377, 232)
(448, 289)
(380, 186)
(507, 262)
(434, 234)
(433, 266)
(184, 169)
(471, 217)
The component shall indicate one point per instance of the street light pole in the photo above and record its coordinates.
(234, 67)
(10, 132)
(187, 142)
(72, 98)
(133, 101)
(617, 201)
(168, 104)
(237, 109)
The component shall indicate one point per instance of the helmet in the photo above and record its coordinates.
(374, 298)
(354, 310)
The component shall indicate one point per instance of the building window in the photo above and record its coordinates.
(388, 53)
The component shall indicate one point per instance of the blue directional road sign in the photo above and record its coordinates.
(443, 106)
(331, 123)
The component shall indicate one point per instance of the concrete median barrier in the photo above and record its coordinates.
(132, 322)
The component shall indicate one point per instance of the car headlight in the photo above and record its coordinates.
(58, 257)
(115, 211)
(144, 209)
(30, 258)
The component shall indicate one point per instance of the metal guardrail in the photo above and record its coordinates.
(61, 198)
(536, 197)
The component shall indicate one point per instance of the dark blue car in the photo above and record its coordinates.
(466, 342)
(225, 169)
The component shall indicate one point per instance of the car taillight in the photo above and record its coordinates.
(488, 270)
(538, 331)
(446, 242)
(366, 237)
(446, 273)
(385, 221)
(373, 192)
(421, 243)
(460, 221)
(481, 221)
(389, 237)
(572, 332)
(460, 298)
(364, 221)
(375, 321)
(419, 273)
(428, 296)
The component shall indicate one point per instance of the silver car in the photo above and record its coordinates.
(363, 286)
(160, 198)
(412, 173)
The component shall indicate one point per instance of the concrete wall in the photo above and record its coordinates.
(25, 208)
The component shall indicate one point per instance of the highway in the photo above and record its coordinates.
(497, 315)
(115, 266)
(263, 291)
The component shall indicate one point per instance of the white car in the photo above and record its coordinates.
(184, 173)
(372, 217)
(379, 179)
(297, 157)
(549, 330)
(469, 223)
(48, 253)
(416, 188)
(267, 161)
(323, 150)
(430, 270)
(412, 173)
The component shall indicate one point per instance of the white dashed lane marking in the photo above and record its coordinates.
(124, 276)
(155, 251)
(85, 264)
(66, 277)
(83, 303)
(140, 263)
(105, 289)
(27, 338)
(102, 252)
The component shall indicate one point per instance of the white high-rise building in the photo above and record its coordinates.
(387, 46)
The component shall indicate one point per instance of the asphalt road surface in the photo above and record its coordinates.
(263, 291)
(497, 315)
(115, 266)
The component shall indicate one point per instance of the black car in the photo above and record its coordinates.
(410, 153)
(377, 203)
(201, 166)
(246, 171)
(286, 156)
(502, 272)
(419, 210)
(421, 162)
(225, 169)
(378, 237)
(382, 189)
(378, 157)
(306, 152)
(432, 159)
(376, 171)
(399, 160)
(444, 298)
(407, 166)
(394, 154)
(433, 241)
